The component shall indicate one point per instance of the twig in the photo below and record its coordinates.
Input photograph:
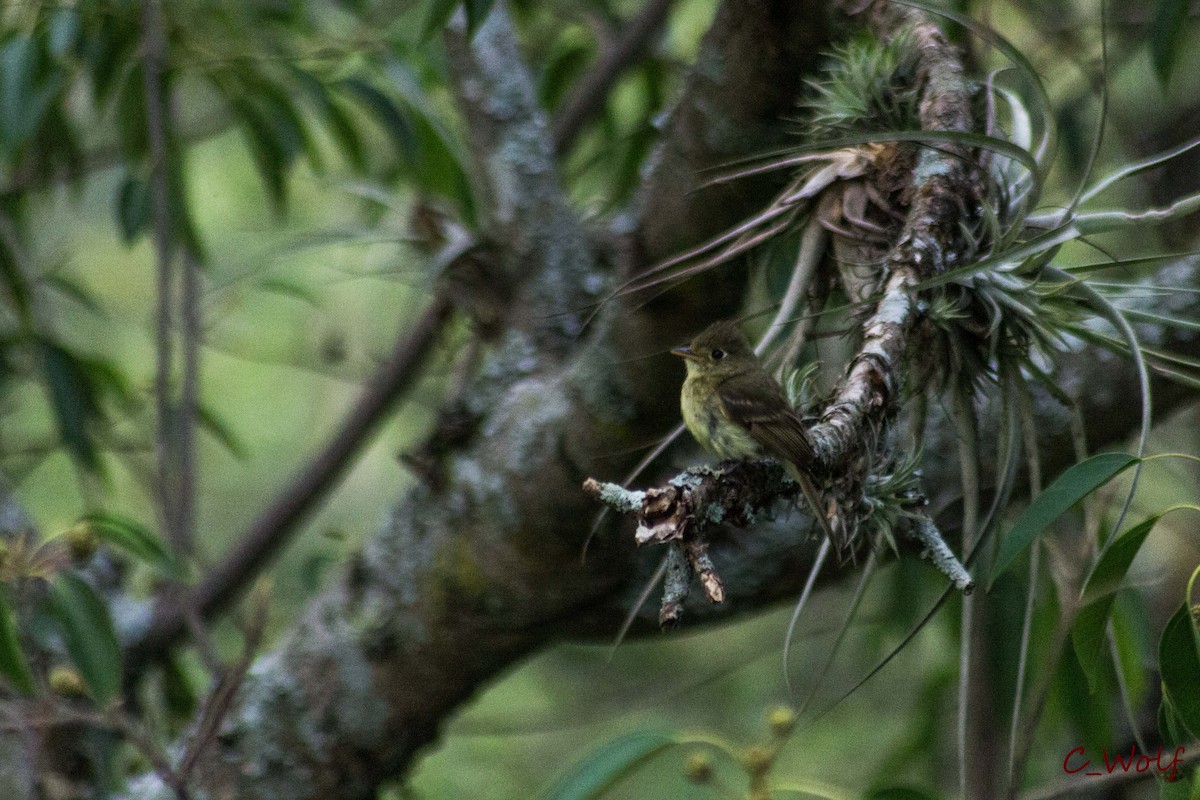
(590, 92)
(291, 507)
(221, 700)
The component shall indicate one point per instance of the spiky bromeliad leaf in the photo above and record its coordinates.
(868, 86)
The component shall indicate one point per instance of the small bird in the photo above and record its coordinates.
(736, 410)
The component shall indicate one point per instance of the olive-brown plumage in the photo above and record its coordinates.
(735, 409)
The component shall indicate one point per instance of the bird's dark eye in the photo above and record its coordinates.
(717, 355)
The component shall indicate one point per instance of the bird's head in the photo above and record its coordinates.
(719, 351)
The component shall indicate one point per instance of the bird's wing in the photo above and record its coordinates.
(773, 424)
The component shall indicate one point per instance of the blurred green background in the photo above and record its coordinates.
(300, 304)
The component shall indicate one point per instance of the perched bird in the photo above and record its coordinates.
(736, 410)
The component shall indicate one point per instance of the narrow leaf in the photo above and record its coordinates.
(134, 539)
(73, 401)
(133, 208)
(388, 114)
(477, 14)
(603, 767)
(437, 15)
(13, 665)
(88, 635)
(1100, 591)
(1072, 486)
(1179, 664)
(1166, 36)
(219, 429)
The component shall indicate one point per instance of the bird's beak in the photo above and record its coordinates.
(685, 352)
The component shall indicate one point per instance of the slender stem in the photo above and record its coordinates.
(1034, 465)
(971, 715)
(154, 57)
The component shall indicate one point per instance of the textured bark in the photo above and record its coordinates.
(462, 581)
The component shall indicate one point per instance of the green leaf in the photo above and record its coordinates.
(134, 539)
(131, 117)
(133, 208)
(599, 770)
(73, 401)
(88, 635)
(220, 430)
(437, 15)
(899, 793)
(270, 158)
(15, 282)
(1091, 624)
(29, 85)
(12, 660)
(477, 14)
(1072, 486)
(1170, 727)
(333, 115)
(106, 50)
(1179, 666)
(388, 114)
(74, 290)
(1166, 36)
(566, 63)
(439, 168)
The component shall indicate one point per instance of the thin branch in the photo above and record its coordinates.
(154, 47)
(587, 99)
(275, 526)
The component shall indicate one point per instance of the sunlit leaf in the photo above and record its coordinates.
(13, 665)
(133, 538)
(1072, 486)
(88, 635)
(599, 770)
(1091, 624)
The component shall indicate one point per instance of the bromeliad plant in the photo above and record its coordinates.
(928, 233)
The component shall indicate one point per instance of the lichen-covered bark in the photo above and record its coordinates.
(464, 580)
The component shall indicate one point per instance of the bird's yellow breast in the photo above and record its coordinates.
(705, 419)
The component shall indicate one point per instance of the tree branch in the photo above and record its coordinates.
(591, 91)
(464, 580)
(290, 509)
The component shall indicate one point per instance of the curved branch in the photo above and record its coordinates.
(587, 99)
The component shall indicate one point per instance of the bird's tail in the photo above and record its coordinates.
(805, 482)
